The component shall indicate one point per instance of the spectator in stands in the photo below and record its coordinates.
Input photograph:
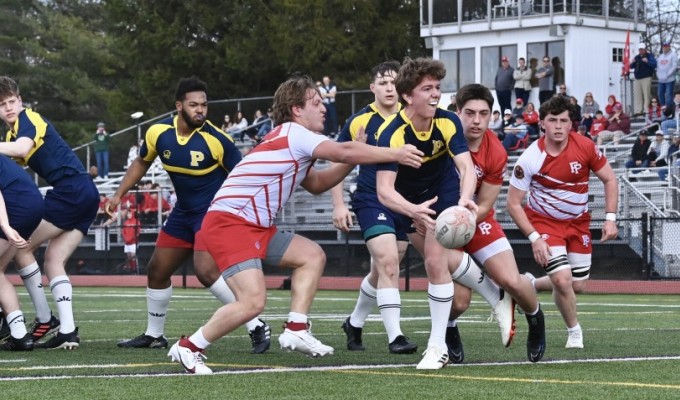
(672, 157)
(101, 211)
(133, 153)
(599, 124)
(563, 91)
(666, 68)
(514, 133)
(266, 125)
(328, 91)
(452, 105)
(545, 74)
(522, 76)
(654, 114)
(657, 152)
(644, 65)
(588, 110)
(101, 149)
(151, 206)
(496, 123)
(240, 125)
(618, 125)
(672, 114)
(531, 120)
(504, 84)
(93, 172)
(227, 124)
(507, 122)
(519, 108)
(581, 130)
(638, 154)
(574, 113)
(611, 103)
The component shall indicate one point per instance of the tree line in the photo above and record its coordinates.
(83, 61)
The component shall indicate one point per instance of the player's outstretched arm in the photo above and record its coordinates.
(396, 202)
(361, 153)
(342, 218)
(468, 180)
(539, 246)
(20, 148)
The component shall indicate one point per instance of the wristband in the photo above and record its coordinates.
(610, 216)
(534, 236)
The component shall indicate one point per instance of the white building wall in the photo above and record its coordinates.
(588, 54)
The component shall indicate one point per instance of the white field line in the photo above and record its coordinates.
(276, 369)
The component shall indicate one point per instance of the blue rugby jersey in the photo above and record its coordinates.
(440, 144)
(51, 157)
(197, 164)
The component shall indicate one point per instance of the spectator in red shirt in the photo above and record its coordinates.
(611, 103)
(531, 120)
(130, 232)
(599, 124)
(151, 204)
(101, 211)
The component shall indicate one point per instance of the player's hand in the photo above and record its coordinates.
(420, 226)
(342, 218)
(609, 231)
(14, 238)
(112, 206)
(470, 205)
(541, 252)
(410, 156)
(422, 214)
(361, 135)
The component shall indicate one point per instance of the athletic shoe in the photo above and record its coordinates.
(536, 338)
(504, 313)
(40, 329)
(433, 358)
(68, 341)
(4, 327)
(191, 361)
(304, 342)
(401, 345)
(354, 342)
(454, 345)
(575, 340)
(261, 338)
(145, 341)
(14, 344)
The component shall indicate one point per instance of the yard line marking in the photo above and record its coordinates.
(252, 369)
(19, 360)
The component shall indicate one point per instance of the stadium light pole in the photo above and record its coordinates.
(136, 116)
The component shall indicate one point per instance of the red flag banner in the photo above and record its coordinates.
(625, 70)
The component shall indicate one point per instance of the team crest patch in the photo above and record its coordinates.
(519, 172)
(166, 154)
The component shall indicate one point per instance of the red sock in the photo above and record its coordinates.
(296, 326)
(185, 342)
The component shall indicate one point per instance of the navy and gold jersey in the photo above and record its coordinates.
(370, 118)
(197, 164)
(51, 158)
(440, 144)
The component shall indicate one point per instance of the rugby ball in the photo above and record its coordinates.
(455, 227)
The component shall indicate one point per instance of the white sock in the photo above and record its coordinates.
(33, 281)
(221, 290)
(157, 303)
(198, 339)
(297, 317)
(62, 291)
(575, 328)
(17, 325)
(365, 303)
(452, 323)
(389, 304)
(469, 274)
(440, 298)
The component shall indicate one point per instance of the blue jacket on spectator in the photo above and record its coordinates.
(644, 69)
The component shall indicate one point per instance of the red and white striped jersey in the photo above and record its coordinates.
(490, 161)
(259, 186)
(558, 185)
